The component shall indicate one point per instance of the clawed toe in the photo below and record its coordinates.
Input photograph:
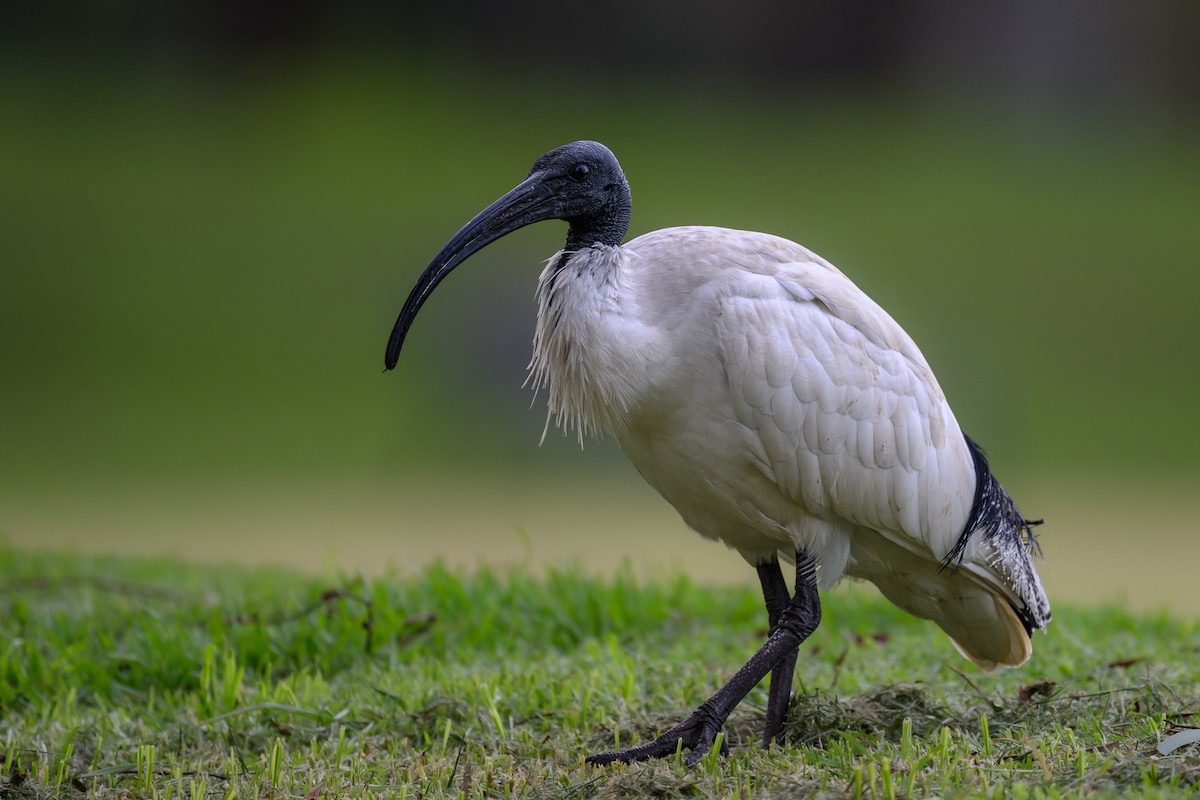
(696, 734)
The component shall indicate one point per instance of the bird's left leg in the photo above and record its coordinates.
(777, 597)
(698, 732)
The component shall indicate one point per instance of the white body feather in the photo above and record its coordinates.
(776, 407)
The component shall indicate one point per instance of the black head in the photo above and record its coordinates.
(580, 183)
(589, 190)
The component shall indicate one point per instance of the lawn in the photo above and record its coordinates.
(135, 678)
(205, 267)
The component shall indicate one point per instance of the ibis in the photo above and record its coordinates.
(778, 408)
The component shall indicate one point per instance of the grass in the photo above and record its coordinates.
(123, 678)
(153, 679)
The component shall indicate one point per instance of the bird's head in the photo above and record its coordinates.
(587, 189)
(580, 183)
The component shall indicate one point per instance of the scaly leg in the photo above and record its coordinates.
(777, 597)
(698, 732)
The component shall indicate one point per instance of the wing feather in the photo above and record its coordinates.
(851, 417)
(833, 435)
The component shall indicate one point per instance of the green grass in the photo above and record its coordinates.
(154, 679)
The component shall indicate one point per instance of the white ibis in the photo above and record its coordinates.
(777, 408)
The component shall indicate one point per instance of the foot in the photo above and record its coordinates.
(795, 622)
(697, 733)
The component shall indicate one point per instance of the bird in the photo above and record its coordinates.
(777, 408)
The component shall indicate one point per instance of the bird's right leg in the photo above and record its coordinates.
(777, 598)
(698, 732)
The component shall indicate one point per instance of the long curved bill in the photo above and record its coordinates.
(528, 202)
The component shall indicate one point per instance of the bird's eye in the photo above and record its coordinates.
(579, 172)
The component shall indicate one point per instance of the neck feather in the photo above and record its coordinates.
(607, 226)
(572, 350)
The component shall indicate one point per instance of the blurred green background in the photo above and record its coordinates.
(211, 214)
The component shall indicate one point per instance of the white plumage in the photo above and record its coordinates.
(777, 407)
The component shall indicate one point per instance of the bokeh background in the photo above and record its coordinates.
(210, 214)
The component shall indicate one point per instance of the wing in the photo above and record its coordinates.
(853, 429)
(852, 423)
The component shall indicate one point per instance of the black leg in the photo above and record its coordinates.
(698, 732)
(777, 597)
